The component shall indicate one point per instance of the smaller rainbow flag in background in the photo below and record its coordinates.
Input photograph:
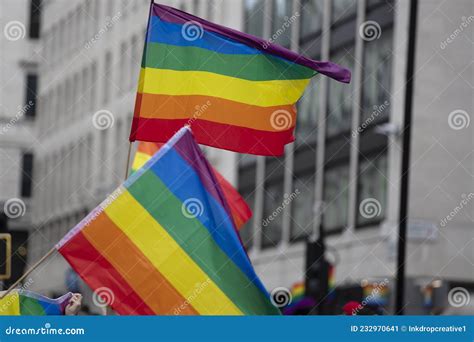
(240, 211)
(237, 91)
(28, 303)
(376, 293)
(164, 244)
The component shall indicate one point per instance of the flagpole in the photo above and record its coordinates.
(27, 273)
(128, 159)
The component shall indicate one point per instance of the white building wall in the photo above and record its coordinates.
(442, 156)
(17, 56)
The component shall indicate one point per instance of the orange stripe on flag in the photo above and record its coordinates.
(136, 269)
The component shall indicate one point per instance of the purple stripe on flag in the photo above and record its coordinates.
(202, 168)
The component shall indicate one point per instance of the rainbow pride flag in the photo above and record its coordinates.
(239, 209)
(28, 303)
(236, 91)
(163, 242)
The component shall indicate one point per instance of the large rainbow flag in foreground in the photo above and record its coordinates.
(239, 209)
(28, 303)
(163, 242)
(237, 91)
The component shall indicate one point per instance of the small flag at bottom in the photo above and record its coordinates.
(164, 244)
(28, 303)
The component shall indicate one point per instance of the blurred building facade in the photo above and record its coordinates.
(342, 174)
(19, 68)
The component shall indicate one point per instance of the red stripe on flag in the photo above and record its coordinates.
(233, 138)
(99, 273)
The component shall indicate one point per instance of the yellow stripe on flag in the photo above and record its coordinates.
(10, 305)
(168, 257)
(140, 160)
(259, 93)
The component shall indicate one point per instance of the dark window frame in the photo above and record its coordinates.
(376, 151)
(31, 94)
(27, 167)
(335, 163)
(34, 31)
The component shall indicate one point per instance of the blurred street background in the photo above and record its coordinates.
(327, 214)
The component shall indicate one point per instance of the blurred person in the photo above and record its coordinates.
(354, 308)
(74, 305)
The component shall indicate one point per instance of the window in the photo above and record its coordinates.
(93, 86)
(210, 10)
(254, 17)
(273, 202)
(340, 96)
(35, 19)
(27, 175)
(282, 22)
(76, 88)
(103, 153)
(302, 206)
(377, 78)
(342, 10)
(110, 6)
(85, 87)
(30, 99)
(372, 189)
(335, 198)
(134, 62)
(308, 109)
(311, 17)
(89, 163)
(303, 196)
(196, 7)
(68, 97)
(62, 43)
(107, 73)
(123, 68)
(118, 145)
(246, 185)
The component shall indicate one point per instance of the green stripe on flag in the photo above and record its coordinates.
(260, 67)
(196, 241)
